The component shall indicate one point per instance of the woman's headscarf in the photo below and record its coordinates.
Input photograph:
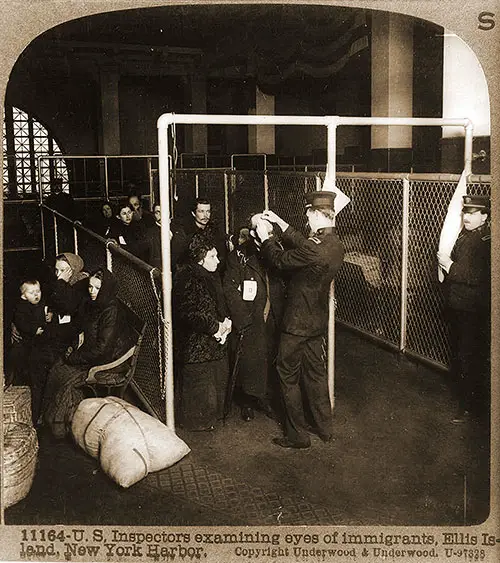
(76, 264)
(109, 287)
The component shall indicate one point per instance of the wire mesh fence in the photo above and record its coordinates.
(139, 287)
(369, 285)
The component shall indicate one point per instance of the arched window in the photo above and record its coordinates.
(24, 140)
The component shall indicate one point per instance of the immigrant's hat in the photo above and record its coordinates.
(320, 199)
(476, 203)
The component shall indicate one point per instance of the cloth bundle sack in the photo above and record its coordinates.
(128, 443)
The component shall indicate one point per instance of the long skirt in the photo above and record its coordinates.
(204, 388)
(63, 394)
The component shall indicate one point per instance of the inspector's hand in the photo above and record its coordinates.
(272, 217)
(261, 230)
(445, 261)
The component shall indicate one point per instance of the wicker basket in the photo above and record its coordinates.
(17, 404)
(19, 458)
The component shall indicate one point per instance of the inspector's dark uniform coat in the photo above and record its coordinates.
(312, 264)
(258, 323)
(467, 293)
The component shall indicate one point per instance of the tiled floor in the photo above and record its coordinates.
(395, 459)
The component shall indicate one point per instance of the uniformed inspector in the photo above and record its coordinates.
(302, 357)
(467, 296)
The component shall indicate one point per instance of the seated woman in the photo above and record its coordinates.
(129, 234)
(101, 222)
(200, 317)
(105, 339)
(66, 295)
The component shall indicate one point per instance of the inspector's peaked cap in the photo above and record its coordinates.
(320, 199)
(476, 202)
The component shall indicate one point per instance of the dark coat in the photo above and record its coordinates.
(467, 285)
(106, 338)
(312, 264)
(258, 343)
(28, 318)
(133, 238)
(65, 299)
(106, 335)
(198, 307)
(246, 263)
(177, 246)
(189, 228)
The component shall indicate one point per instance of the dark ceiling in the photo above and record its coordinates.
(274, 43)
(206, 26)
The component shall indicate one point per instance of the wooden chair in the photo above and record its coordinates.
(115, 377)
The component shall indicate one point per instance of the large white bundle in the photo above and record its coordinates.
(453, 222)
(128, 442)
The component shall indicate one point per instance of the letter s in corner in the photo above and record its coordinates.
(486, 21)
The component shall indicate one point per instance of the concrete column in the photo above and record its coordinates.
(196, 135)
(261, 138)
(392, 85)
(110, 111)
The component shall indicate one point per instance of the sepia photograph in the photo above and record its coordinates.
(249, 285)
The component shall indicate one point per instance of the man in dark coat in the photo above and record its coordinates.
(467, 294)
(312, 263)
(200, 222)
(254, 295)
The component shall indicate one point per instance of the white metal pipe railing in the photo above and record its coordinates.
(266, 191)
(168, 376)
(405, 244)
(331, 122)
(226, 203)
(56, 241)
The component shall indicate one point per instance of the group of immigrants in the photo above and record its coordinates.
(250, 317)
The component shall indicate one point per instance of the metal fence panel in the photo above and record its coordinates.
(286, 196)
(246, 197)
(141, 292)
(426, 326)
(368, 285)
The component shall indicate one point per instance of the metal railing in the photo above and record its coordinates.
(387, 288)
(139, 286)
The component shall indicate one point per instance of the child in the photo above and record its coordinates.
(29, 324)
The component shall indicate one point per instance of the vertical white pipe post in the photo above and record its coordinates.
(151, 189)
(226, 203)
(266, 190)
(56, 242)
(330, 173)
(75, 239)
(405, 236)
(469, 137)
(164, 177)
(197, 185)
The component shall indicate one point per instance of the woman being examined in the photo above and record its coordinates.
(202, 326)
(105, 338)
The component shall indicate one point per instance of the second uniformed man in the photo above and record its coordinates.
(312, 264)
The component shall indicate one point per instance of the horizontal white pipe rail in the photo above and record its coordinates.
(167, 120)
